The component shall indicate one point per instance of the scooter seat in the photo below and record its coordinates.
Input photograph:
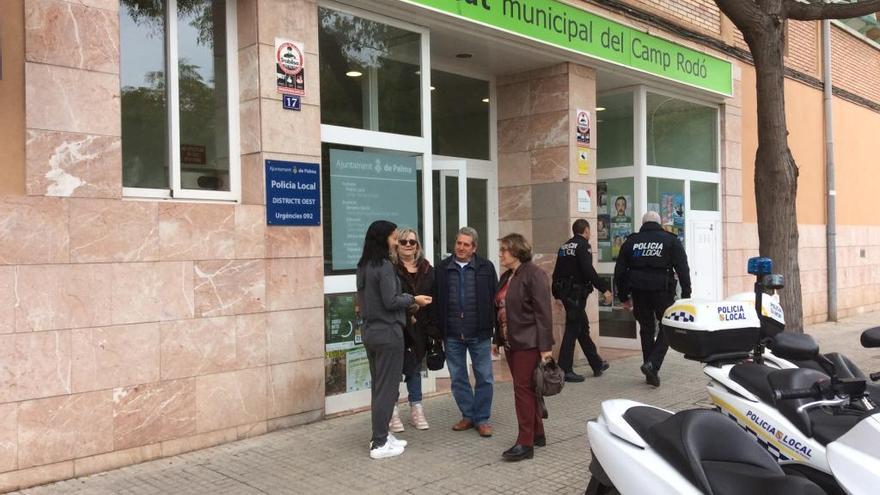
(753, 377)
(642, 418)
(714, 454)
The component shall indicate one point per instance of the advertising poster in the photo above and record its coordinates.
(334, 373)
(290, 67)
(622, 209)
(340, 321)
(602, 197)
(366, 187)
(357, 375)
(672, 213)
(603, 228)
(619, 233)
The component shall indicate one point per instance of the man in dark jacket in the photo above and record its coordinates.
(573, 279)
(644, 270)
(464, 304)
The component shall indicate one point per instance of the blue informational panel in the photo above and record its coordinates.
(293, 193)
(366, 187)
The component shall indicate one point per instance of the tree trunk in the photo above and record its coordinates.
(775, 169)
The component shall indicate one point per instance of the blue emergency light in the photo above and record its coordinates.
(760, 266)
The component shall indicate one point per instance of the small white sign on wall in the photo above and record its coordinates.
(585, 203)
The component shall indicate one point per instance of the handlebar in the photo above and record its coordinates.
(797, 393)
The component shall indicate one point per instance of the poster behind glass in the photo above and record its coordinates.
(346, 366)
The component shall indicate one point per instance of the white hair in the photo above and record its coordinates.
(651, 216)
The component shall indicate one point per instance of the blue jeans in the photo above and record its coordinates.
(474, 403)
(413, 378)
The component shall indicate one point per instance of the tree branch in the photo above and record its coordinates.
(818, 11)
(741, 12)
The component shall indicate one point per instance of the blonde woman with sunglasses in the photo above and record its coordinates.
(417, 278)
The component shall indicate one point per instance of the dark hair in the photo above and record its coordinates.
(376, 243)
(517, 246)
(579, 226)
(619, 198)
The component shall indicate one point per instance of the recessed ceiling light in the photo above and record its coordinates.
(464, 55)
(418, 73)
(433, 88)
(485, 100)
(599, 109)
(354, 73)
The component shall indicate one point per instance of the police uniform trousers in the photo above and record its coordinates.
(648, 308)
(577, 328)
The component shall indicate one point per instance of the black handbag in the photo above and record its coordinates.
(435, 357)
(549, 378)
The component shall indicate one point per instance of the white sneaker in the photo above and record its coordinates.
(396, 441)
(395, 425)
(417, 417)
(390, 449)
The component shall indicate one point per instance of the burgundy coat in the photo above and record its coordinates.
(529, 316)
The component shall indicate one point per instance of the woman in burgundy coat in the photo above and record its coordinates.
(525, 330)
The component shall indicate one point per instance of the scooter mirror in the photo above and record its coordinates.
(760, 266)
(774, 281)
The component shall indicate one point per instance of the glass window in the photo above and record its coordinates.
(681, 134)
(704, 196)
(614, 127)
(361, 186)
(370, 74)
(202, 105)
(614, 320)
(144, 95)
(459, 116)
(666, 197)
(614, 220)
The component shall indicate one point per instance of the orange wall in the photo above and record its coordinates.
(856, 130)
(12, 97)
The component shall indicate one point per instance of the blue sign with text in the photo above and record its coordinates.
(293, 193)
(291, 102)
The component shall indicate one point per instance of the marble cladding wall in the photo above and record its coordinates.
(132, 330)
(538, 176)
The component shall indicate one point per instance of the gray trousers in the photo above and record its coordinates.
(386, 368)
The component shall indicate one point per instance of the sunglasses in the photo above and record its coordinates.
(408, 242)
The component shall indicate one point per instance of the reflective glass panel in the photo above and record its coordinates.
(614, 222)
(370, 74)
(704, 196)
(202, 87)
(459, 116)
(681, 134)
(144, 94)
(614, 128)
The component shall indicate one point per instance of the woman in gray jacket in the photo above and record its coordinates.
(383, 306)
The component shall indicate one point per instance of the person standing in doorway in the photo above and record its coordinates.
(383, 307)
(525, 330)
(417, 278)
(464, 287)
(573, 279)
(644, 270)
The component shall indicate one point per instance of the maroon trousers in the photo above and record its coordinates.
(522, 367)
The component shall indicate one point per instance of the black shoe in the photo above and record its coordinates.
(571, 376)
(650, 374)
(597, 373)
(518, 452)
(540, 441)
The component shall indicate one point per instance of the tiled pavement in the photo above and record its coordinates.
(331, 456)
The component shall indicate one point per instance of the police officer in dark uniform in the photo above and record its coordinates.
(573, 279)
(644, 271)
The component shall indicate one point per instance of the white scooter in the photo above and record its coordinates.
(822, 427)
(640, 449)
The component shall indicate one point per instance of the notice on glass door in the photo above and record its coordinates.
(365, 187)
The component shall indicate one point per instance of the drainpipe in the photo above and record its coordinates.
(831, 196)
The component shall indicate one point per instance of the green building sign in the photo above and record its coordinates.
(567, 27)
